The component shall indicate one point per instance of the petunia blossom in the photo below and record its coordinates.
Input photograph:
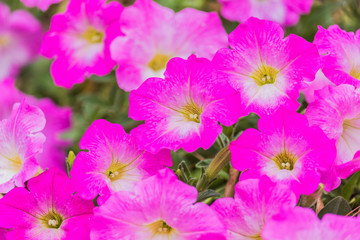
(58, 120)
(286, 149)
(20, 141)
(256, 202)
(46, 209)
(20, 39)
(160, 207)
(302, 223)
(319, 83)
(43, 5)
(284, 12)
(79, 40)
(266, 69)
(183, 110)
(113, 162)
(340, 54)
(336, 111)
(153, 34)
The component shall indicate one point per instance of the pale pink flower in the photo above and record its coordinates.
(161, 207)
(302, 223)
(43, 5)
(286, 149)
(183, 110)
(256, 202)
(47, 209)
(267, 69)
(153, 34)
(20, 141)
(113, 161)
(336, 110)
(340, 54)
(58, 120)
(20, 39)
(284, 12)
(79, 40)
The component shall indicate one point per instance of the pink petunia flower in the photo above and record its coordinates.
(319, 83)
(340, 53)
(302, 223)
(46, 209)
(284, 12)
(57, 122)
(43, 5)
(20, 141)
(256, 201)
(183, 110)
(286, 149)
(20, 39)
(153, 34)
(113, 162)
(161, 207)
(266, 69)
(79, 41)
(336, 111)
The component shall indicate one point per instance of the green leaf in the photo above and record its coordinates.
(338, 206)
(350, 185)
(207, 194)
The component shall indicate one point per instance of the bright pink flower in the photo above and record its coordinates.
(340, 53)
(256, 201)
(79, 40)
(113, 162)
(20, 39)
(302, 223)
(41, 4)
(336, 111)
(20, 141)
(161, 207)
(57, 122)
(266, 69)
(47, 209)
(284, 12)
(286, 149)
(319, 83)
(183, 110)
(153, 34)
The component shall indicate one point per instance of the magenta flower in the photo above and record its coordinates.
(284, 12)
(266, 69)
(79, 40)
(183, 110)
(57, 122)
(302, 223)
(20, 38)
(286, 149)
(340, 53)
(43, 5)
(113, 162)
(20, 141)
(336, 111)
(161, 207)
(47, 209)
(256, 201)
(153, 34)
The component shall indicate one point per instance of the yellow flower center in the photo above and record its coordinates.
(264, 75)
(355, 73)
(161, 228)
(4, 40)
(52, 219)
(285, 160)
(93, 36)
(191, 112)
(159, 62)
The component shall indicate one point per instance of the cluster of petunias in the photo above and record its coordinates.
(185, 84)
